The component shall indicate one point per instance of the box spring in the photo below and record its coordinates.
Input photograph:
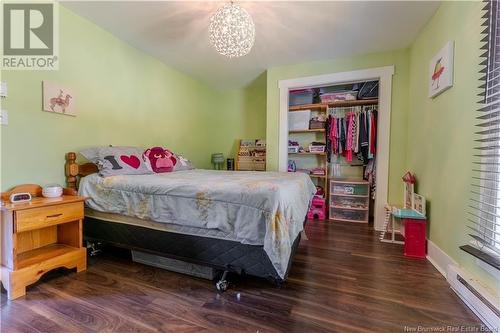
(219, 254)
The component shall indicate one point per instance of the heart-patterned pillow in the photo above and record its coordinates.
(131, 160)
(114, 161)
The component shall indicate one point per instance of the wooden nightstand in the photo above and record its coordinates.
(39, 236)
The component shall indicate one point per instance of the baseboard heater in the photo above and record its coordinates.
(477, 298)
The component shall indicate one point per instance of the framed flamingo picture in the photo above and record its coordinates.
(441, 70)
(58, 99)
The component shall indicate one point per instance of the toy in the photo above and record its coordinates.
(157, 159)
(317, 210)
(320, 191)
(418, 204)
(409, 188)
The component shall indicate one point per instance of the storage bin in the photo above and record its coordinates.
(316, 149)
(293, 149)
(351, 189)
(299, 120)
(315, 124)
(338, 96)
(368, 90)
(349, 202)
(349, 215)
(300, 97)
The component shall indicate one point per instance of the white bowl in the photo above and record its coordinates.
(52, 191)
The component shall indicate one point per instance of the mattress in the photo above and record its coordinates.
(254, 208)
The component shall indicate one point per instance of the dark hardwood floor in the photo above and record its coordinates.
(342, 280)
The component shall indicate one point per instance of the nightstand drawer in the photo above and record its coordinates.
(42, 217)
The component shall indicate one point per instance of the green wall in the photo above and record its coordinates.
(397, 58)
(124, 97)
(241, 115)
(440, 138)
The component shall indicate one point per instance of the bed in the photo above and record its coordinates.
(244, 222)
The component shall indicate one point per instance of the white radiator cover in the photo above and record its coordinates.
(485, 305)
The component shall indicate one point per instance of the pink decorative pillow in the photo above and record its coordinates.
(159, 160)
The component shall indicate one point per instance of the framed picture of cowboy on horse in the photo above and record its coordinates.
(58, 99)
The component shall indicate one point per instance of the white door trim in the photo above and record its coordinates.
(384, 75)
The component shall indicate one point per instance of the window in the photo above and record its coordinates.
(484, 213)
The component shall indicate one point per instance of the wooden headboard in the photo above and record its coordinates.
(74, 170)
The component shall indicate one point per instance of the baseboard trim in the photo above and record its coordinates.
(438, 258)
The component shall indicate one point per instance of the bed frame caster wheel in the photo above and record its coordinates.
(222, 284)
(94, 248)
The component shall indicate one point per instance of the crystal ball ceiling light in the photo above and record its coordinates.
(232, 31)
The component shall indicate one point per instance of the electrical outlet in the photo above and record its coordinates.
(4, 117)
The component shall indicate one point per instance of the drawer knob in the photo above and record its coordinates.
(54, 215)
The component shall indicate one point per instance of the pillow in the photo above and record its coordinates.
(113, 161)
(183, 164)
(159, 160)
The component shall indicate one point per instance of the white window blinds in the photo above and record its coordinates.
(484, 213)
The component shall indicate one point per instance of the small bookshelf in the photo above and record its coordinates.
(251, 155)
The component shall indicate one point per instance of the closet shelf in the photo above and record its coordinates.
(337, 104)
(322, 130)
(319, 154)
(308, 107)
(357, 102)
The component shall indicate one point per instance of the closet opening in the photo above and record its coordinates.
(333, 138)
(350, 163)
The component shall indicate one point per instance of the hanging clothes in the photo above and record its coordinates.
(355, 132)
(352, 132)
(363, 138)
(332, 133)
(370, 134)
(373, 132)
(369, 174)
(349, 139)
(328, 140)
(342, 136)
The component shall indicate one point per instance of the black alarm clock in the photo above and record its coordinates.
(20, 197)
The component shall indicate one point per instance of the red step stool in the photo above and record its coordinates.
(317, 210)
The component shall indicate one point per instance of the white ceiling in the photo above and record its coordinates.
(286, 32)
